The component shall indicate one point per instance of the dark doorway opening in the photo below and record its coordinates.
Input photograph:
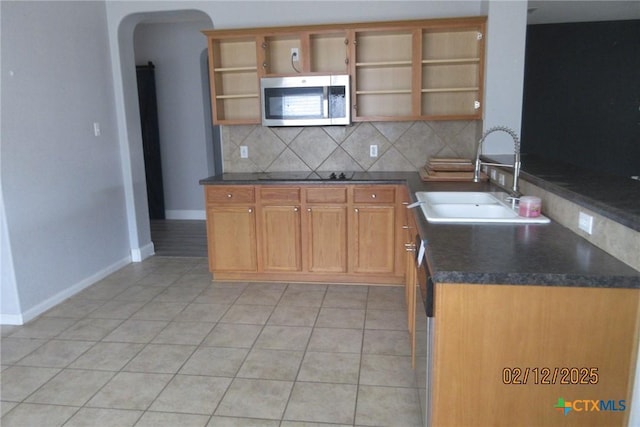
(148, 104)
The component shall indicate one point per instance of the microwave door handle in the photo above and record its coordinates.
(325, 102)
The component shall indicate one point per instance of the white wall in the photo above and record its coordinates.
(67, 206)
(62, 186)
(123, 17)
(504, 79)
(175, 49)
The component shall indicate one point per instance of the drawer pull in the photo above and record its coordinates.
(295, 209)
(229, 195)
(373, 196)
(250, 210)
(405, 227)
(308, 209)
(356, 210)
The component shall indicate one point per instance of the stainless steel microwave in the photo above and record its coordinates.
(305, 100)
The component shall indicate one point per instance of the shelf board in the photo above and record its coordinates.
(383, 64)
(234, 69)
(238, 96)
(450, 61)
(451, 89)
(383, 92)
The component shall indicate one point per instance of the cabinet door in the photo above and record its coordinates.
(327, 239)
(373, 239)
(281, 247)
(231, 236)
(411, 279)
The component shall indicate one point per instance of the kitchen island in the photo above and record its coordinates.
(510, 300)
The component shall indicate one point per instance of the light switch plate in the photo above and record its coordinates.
(244, 152)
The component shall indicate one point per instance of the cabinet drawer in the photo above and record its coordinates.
(374, 194)
(326, 195)
(270, 195)
(230, 194)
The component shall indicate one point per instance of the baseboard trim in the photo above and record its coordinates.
(140, 254)
(56, 299)
(185, 214)
(11, 319)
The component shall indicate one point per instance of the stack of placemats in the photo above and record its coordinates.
(448, 169)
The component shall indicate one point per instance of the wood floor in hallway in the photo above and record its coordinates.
(181, 238)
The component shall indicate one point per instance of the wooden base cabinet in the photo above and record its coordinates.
(518, 355)
(331, 233)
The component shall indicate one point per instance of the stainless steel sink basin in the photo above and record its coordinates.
(471, 207)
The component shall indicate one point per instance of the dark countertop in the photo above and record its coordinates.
(613, 197)
(534, 254)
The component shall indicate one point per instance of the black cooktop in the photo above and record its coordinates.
(306, 176)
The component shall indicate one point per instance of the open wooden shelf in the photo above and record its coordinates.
(400, 70)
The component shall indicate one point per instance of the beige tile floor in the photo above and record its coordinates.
(158, 344)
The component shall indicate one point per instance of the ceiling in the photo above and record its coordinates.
(553, 12)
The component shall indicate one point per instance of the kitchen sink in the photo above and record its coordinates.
(471, 207)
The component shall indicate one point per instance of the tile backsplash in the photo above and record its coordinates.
(402, 146)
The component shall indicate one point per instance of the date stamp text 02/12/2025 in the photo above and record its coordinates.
(544, 375)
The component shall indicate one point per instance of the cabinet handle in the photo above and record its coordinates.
(411, 249)
(250, 210)
(264, 45)
(405, 227)
(229, 196)
(295, 209)
(308, 209)
(346, 41)
(373, 196)
(264, 65)
(356, 210)
(405, 203)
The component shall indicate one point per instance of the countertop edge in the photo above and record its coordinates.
(414, 183)
(617, 215)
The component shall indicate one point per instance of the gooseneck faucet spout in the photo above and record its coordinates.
(515, 192)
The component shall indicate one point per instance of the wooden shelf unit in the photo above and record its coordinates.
(452, 62)
(382, 74)
(400, 70)
(235, 80)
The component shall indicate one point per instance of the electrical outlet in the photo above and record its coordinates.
(295, 54)
(244, 152)
(494, 174)
(585, 223)
(373, 151)
(96, 129)
(501, 179)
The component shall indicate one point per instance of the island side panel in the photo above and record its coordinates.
(482, 329)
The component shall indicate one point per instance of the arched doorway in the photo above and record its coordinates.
(179, 110)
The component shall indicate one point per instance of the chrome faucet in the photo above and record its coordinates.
(515, 192)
